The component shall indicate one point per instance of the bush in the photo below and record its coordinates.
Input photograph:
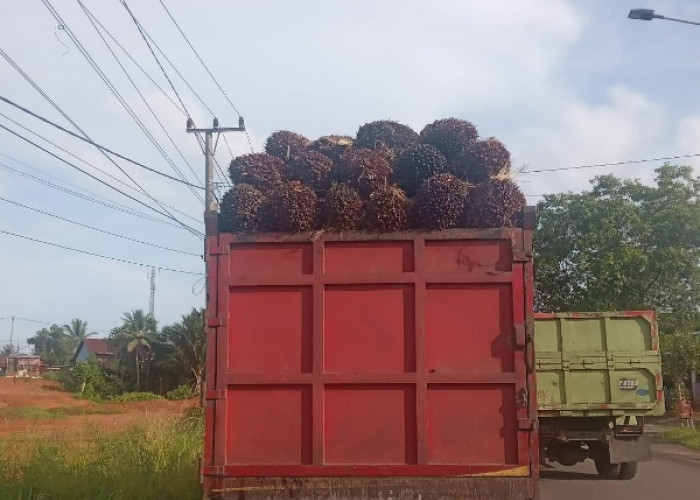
(90, 380)
(180, 392)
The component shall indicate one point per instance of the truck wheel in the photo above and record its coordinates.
(605, 469)
(628, 470)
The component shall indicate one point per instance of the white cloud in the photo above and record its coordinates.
(688, 139)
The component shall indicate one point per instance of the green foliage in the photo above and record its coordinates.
(53, 346)
(91, 380)
(149, 462)
(8, 350)
(180, 392)
(135, 339)
(189, 340)
(135, 397)
(626, 246)
(683, 436)
(681, 353)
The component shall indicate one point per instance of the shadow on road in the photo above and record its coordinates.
(559, 475)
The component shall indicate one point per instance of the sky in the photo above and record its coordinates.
(561, 83)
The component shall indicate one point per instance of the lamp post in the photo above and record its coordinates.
(649, 14)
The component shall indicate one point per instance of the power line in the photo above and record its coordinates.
(93, 64)
(92, 143)
(185, 226)
(78, 250)
(612, 164)
(109, 204)
(223, 92)
(98, 229)
(70, 120)
(138, 91)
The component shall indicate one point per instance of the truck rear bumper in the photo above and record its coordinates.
(351, 488)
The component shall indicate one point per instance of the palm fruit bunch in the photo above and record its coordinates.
(439, 203)
(387, 209)
(240, 209)
(311, 168)
(497, 203)
(387, 136)
(260, 170)
(290, 208)
(416, 164)
(364, 170)
(450, 136)
(483, 160)
(285, 144)
(342, 209)
(333, 146)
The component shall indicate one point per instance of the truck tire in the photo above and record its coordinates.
(605, 469)
(628, 470)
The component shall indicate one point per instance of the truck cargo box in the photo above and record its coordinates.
(598, 364)
(357, 365)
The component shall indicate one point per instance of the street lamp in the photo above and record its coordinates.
(649, 14)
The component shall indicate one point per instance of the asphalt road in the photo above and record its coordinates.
(674, 473)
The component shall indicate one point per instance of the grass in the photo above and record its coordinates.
(152, 461)
(29, 413)
(684, 436)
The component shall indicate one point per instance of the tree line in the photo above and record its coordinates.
(144, 357)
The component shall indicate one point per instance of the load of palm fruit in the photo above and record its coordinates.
(387, 136)
(342, 209)
(388, 178)
(416, 164)
(260, 170)
(439, 203)
(387, 210)
(285, 144)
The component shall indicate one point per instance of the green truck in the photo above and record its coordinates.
(598, 377)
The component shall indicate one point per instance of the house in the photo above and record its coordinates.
(23, 365)
(101, 349)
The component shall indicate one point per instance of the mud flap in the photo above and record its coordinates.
(629, 450)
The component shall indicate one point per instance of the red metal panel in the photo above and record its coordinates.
(269, 425)
(471, 424)
(354, 354)
(369, 329)
(372, 424)
(270, 331)
(369, 257)
(271, 259)
(468, 256)
(469, 328)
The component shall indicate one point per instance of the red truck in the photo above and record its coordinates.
(371, 365)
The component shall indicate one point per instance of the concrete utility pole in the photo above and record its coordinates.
(152, 298)
(210, 205)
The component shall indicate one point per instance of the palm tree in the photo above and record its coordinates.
(138, 332)
(8, 350)
(189, 340)
(77, 331)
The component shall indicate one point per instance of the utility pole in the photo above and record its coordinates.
(210, 205)
(12, 328)
(152, 298)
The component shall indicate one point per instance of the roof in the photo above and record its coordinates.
(98, 347)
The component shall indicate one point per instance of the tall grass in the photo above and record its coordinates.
(157, 461)
(684, 436)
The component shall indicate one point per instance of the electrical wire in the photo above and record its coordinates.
(223, 92)
(108, 204)
(77, 127)
(93, 64)
(92, 143)
(612, 164)
(98, 229)
(86, 252)
(185, 226)
(138, 91)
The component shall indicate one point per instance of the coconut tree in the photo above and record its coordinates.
(138, 332)
(189, 340)
(77, 331)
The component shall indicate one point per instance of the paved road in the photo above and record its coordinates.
(674, 473)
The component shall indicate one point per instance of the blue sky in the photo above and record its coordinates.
(562, 83)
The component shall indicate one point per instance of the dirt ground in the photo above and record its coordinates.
(44, 394)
